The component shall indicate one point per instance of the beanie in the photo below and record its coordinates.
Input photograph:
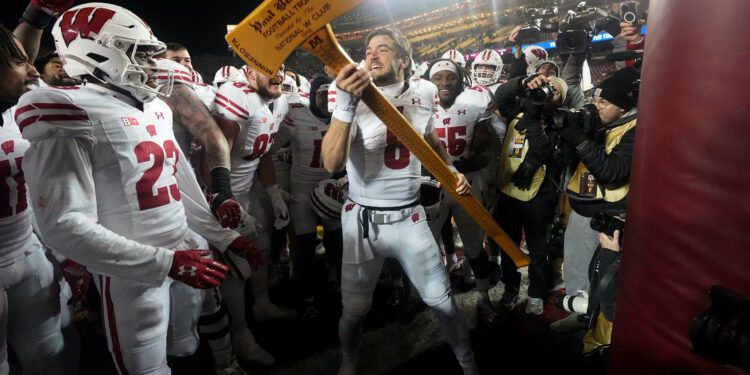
(618, 88)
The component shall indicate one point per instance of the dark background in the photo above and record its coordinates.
(200, 25)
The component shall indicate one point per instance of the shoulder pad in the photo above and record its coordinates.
(180, 73)
(51, 112)
(231, 99)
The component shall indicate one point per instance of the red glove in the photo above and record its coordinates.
(226, 209)
(52, 7)
(77, 277)
(244, 248)
(195, 268)
(223, 204)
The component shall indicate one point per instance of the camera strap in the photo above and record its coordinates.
(604, 280)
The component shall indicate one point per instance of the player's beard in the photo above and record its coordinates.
(265, 93)
(388, 77)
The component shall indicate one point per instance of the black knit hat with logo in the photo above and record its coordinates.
(618, 88)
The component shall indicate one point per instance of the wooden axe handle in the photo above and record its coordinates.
(323, 45)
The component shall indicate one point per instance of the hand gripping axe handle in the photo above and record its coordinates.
(271, 32)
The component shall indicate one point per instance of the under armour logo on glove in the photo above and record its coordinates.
(197, 269)
(191, 271)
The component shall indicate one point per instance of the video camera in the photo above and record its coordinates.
(580, 25)
(536, 20)
(586, 118)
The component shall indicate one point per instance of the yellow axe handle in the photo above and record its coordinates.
(323, 45)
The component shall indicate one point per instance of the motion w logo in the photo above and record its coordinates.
(84, 23)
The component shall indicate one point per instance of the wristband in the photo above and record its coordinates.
(346, 105)
(220, 181)
(35, 17)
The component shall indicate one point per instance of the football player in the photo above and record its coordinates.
(250, 116)
(306, 126)
(51, 70)
(486, 70)
(382, 217)
(130, 203)
(29, 304)
(461, 124)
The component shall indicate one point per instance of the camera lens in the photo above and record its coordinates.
(629, 17)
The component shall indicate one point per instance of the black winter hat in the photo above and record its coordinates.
(618, 88)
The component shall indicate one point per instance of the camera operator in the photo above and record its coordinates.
(600, 180)
(527, 196)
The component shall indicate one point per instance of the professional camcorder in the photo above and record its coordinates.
(580, 25)
(536, 20)
(586, 118)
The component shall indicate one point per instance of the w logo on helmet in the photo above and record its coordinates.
(84, 22)
(540, 53)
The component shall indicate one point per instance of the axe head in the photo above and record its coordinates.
(266, 37)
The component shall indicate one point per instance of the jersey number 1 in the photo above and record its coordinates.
(6, 171)
(145, 186)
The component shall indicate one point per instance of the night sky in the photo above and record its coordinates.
(200, 25)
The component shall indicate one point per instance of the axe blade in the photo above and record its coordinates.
(266, 37)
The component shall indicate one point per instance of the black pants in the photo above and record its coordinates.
(534, 219)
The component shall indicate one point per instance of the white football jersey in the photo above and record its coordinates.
(382, 171)
(206, 93)
(455, 125)
(114, 155)
(236, 101)
(15, 215)
(306, 133)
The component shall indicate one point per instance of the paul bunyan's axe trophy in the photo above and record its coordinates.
(274, 29)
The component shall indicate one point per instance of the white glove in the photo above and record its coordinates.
(248, 226)
(280, 209)
(345, 104)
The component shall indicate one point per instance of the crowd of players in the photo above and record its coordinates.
(121, 167)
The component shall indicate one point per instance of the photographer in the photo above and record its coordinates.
(601, 177)
(604, 268)
(527, 196)
(630, 39)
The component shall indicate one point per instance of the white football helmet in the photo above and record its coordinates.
(535, 56)
(228, 73)
(421, 70)
(483, 75)
(430, 196)
(455, 56)
(289, 86)
(197, 77)
(102, 40)
(328, 197)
